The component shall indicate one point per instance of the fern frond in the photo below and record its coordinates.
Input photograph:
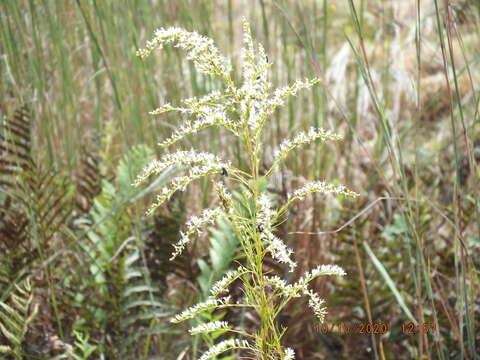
(15, 317)
(15, 147)
(37, 202)
(83, 349)
(130, 165)
(122, 288)
(223, 246)
(13, 243)
(87, 181)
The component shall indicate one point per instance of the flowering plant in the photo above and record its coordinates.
(243, 111)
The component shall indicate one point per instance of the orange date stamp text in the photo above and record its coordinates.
(352, 328)
(372, 328)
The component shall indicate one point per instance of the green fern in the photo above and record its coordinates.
(128, 168)
(141, 304)
(87, 180)
(83, 349)
(36, 200)
(111, 215)
(123, 295)
(223, 246)
(15, 317)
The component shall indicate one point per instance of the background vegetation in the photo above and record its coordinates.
(84, 274)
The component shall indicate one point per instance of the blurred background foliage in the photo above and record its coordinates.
(85, 275)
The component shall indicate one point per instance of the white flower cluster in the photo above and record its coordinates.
(250, 105)
(166, 108)
(215, 97)
(262, 104)
(265, 212)
(194, 225)
(179, 158)
(321, 187)
(214, 102)
(257, 104)
(279, 95)
(316, 304)
(275, 246)
(279, 250)
(200, 49)
(289, 354)
(288, 290)
(224, 346)
(209, 327)
(225, 196)
(322, 270)
(181, 182)
(303, 138)
(255, 88)
(301, 286)
(248, 54)
(213, 118)
(221, 286)
(254, 68)
(200, 307)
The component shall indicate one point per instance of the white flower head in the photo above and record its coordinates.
(221, 286)
(199, 308)
(322, 270)
(200, 49)
(303, 138)
(209, 327)
(275, 246)
(223, 346)
(288, 290)
(317, 305)
(279, 250)
(205, 120)
(193, 226)
(265, 212)
(226, 197)
(165, 108)
(255, 88)
(320, 187)
(181, 182)
(289, 354)
(279, 95)
(188, 157)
